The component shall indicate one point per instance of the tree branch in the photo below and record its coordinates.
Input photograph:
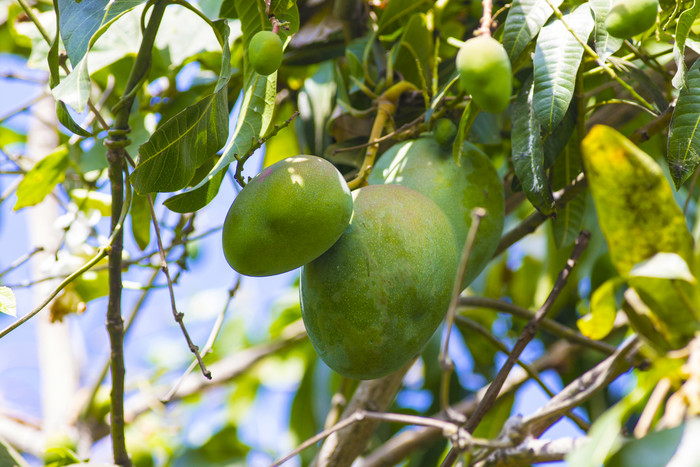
(533, 451)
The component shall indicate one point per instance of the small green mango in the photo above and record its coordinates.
(286, 216)
(423, 165)
(265, 52)
(372, 301)
(485, 72)
(627, 18)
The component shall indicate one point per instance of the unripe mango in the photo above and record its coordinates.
(372, 301)
(627, 18)
(423, 165)
(286, 216)
(265, 52)
(485, 72)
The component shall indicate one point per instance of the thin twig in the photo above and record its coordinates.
(21, 260)
(210, 341)
(176, 314)
(547, 324)
(534, 374)
(485, 24)
(446, 364)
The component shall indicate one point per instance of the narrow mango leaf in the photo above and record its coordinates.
(605, 44)
(42, 178)
(557, 58)
(413, 53)
(141, 220)
(685, 23)
(524, 21)
(9, 456)
(257, 107)
(397, 9)
(169, 159)
(600, 321)
(636, 208)
(665, 284)
(528, 151)
(465, 123)
(684, 138)
(8, 303)
(79, 21)
(569, 221)
(645, 323)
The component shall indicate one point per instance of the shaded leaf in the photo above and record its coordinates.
(684, 138)
(42, 178)
(603, 310)
(169, 159)
(196, 199)
(685, 23)
(8, 303)
(557, 59)
(397, 9)
(528, 151)
(413, 53)
(569, 221)
(9, 456)
(605, 44)
(655, 449)
(74, 89)
(524, 21)
(636, 208)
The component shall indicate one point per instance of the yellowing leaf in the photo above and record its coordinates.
(8, 304)
(599, 322)
(636, 208)
(42, 178)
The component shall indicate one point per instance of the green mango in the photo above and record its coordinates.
(372, 301)
(627, 18)
(485, 72)
(265, 52)
(423, 165)
(286, 216)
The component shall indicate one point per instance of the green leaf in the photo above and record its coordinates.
(80, 21)
(605, 44)
(528, 151)
(8, 303)
(89, 199)
(141, 220)
(42, 178)
(9, 456)
(557, 59)
(684, 138)
(465, 123)
(603, 310)
(397, 9)
(74, 89)
(524, 21)
(256, 110)
(685, 23)
(636, 208)
(666, 285)
(657, 448)
(316, 104)
(413, 53)
(169, 159)
(569, 221)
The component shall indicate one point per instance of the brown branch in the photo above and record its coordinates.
(534, 220)
(343, 447)
(533, 451)
(403, 444)
(547, 324)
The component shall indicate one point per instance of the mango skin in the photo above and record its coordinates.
(485, 72)
(372, 301)
(423, 165)
(265, 52)
(286, 216)
(627, 18)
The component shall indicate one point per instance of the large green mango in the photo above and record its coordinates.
(422, 164)
(372, 301)
(286, 216)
